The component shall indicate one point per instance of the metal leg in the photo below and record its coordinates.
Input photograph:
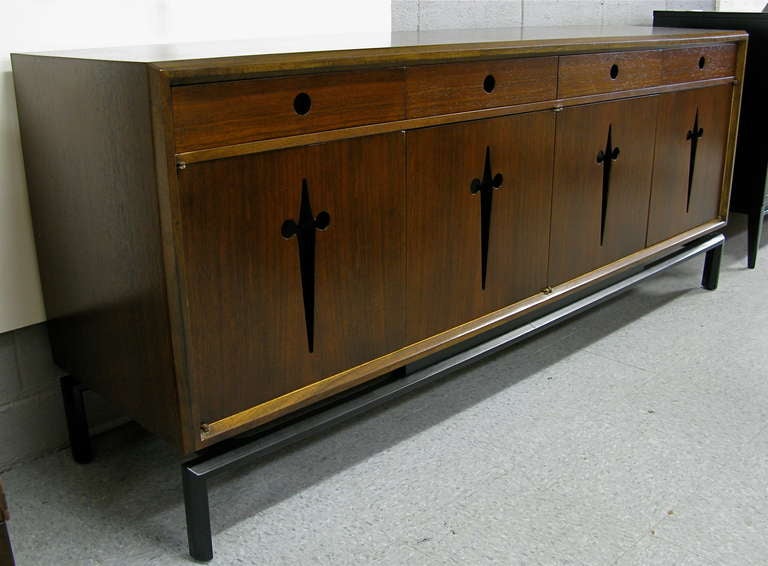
(711, 273)
(77, 420)
(754, 230)
(198, 515)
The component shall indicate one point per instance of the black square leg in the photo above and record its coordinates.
(711, 273)
(754, 230)
(77, 420)
(198, 515)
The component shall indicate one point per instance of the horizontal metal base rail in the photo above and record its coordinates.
(195, 473)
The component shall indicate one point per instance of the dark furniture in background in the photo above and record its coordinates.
(749, 176)
(6, 553)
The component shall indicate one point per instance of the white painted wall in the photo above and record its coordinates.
(39, 25)
(741, 5)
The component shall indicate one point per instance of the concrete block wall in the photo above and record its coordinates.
(410, 15)
(31, 412)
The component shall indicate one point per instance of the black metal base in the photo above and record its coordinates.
(711, 274)
(77, 420)
(195, 473)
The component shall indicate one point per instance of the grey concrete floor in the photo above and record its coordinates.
(635, 434)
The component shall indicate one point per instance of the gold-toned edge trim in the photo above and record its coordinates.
(331, 385)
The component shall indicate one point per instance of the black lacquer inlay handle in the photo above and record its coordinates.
(693, 135)
(606, 157)
(485, 187)
(305, 230)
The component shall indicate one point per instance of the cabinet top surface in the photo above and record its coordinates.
(184, 62)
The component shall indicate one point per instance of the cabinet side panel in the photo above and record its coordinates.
(88, 150)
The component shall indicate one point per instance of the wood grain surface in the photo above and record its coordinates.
(415, 123)
(444, 218)
(254, 416)
(751, 160)
(575, 245)
(234, 112)
(590, 74)
(247, 338)
(459, 87)
(697, 63)
(677, 111)
(177, 294)
(87, 137)
(192, 63)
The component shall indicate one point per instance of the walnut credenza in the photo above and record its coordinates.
(232, 233)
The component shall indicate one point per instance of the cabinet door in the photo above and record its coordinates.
(478, 218)
(603, 166)
(295, 267)
(691, 136)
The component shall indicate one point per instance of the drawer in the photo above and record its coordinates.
(232, 112)
(693, 64)
(596, 73)
(458, 87)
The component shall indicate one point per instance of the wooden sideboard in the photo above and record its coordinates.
(228, 233)
(750, 174)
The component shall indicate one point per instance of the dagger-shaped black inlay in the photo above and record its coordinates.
(304, 230)
(606, 157)
(485, 187)
(693, 136)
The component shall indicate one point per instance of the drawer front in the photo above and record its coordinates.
(459, 87)
(693, 64)
(596, 73)
(232, 112)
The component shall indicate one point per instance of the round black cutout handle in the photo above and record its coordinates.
(302, 103)
(489, 83)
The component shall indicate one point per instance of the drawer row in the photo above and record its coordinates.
(233, 112)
